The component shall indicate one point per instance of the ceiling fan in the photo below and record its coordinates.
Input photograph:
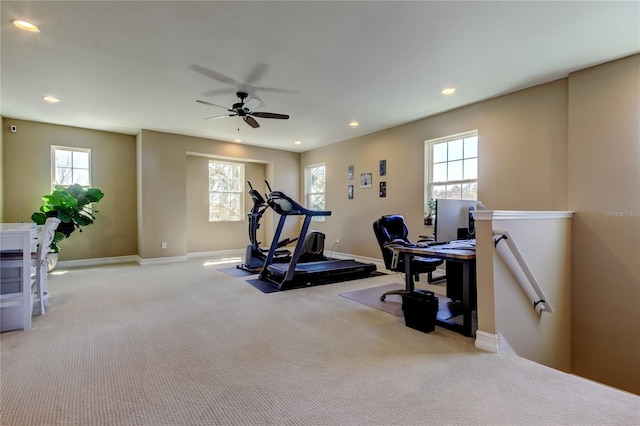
(245, 110)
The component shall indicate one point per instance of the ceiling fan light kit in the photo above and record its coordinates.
(245, 110)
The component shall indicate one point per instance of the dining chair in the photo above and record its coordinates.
(38, 272)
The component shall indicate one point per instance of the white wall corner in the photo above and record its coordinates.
(504, 346)
(487, 341)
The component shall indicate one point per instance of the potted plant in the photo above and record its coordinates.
(73, 205)
(431, 207)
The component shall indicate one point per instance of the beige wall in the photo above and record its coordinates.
(604, 191)
(522, 164)
(162, 175)
(27, 177)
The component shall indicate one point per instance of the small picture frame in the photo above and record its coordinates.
(383, 167)
(383, 189)
(350, 192)
(365, 180)
(350, 172)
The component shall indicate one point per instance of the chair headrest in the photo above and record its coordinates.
(390, 227)
(391, 218)
(393, 224)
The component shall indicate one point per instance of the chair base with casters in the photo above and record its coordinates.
(391, 231)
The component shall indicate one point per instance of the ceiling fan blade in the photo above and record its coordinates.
(269, 115)
(210, 104)
(220, 116)
(214, 75)
(251, 122)
(252, 104)
(275, 90)
(256, 73)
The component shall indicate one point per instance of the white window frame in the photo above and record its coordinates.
(54, 166)
(429, 183)
(239, 191)
(308, 190)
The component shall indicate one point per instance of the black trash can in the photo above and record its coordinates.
(420, 309)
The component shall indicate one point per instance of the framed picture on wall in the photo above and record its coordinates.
(383, 167)
(350, 192)
(365, 180)
(383, 189)
(350, 172)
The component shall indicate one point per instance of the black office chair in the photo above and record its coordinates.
(391, 231)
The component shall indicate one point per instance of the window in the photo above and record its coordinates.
(226, 197)
(452, 167)
(70, 165)
(315, 179)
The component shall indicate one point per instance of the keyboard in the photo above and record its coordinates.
(451, 245)
(430, 243)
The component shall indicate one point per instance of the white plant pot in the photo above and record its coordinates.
(52, 261)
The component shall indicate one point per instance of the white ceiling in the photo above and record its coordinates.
(123, 66)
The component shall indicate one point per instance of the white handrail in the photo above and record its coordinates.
(532, 290)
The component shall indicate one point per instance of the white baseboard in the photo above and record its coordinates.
(487, 341)
(96, 261)
(159, 260)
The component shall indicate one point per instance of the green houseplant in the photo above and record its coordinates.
(72, 205)
(431, 206)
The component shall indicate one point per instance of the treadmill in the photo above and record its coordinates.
(301, 274)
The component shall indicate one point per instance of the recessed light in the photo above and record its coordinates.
(297, 142)
(354, 124)
(238, 140)
(50, 99)
(448, 91)
(25, 26)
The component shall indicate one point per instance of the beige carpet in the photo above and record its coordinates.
(184, 344)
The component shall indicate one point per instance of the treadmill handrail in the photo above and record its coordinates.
(284, 205)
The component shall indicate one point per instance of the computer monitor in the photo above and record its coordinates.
(453, 219)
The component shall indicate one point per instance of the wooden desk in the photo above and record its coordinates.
(23, 237)
(452, 253)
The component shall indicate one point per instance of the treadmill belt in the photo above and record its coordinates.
(322, 272)
(322, 266)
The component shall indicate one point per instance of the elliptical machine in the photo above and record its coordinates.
(255, 256)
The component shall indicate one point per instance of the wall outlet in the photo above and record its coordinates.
(164, 245)
(337, 241)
